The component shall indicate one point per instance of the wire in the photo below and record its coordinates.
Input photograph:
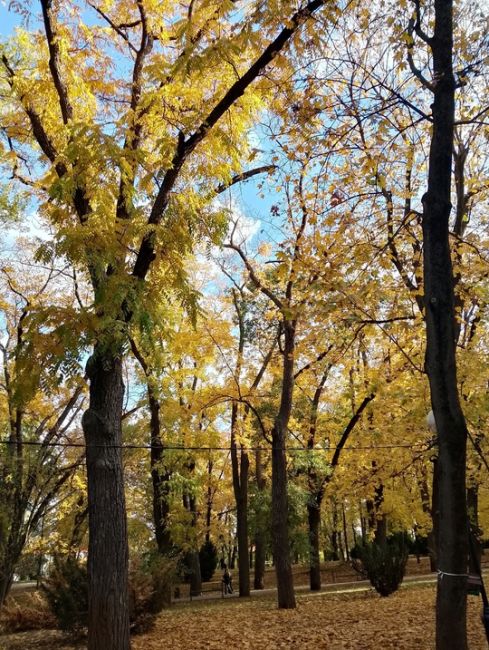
(35, 443)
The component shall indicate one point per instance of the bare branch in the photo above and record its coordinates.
(414, 69)
(253, 276)
(244, 176)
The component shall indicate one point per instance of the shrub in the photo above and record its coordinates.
(384, 564)
(66, 590)
(150, 585)
(25, 612)
(208, 560)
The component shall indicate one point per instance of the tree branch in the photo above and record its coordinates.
(244, 176)
(55, 62)
(185, 147)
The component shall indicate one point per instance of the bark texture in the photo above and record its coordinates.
(314, 522)
(280, 507)
(159, 477)
(240, 467)
(108, 617)
(452, 546)
(260, 534)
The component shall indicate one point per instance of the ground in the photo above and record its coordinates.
(350, 621)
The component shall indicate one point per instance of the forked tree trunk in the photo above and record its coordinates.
(108, 618)
(440, 349)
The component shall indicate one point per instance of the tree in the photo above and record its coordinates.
(119, 189)
(441, 339)
(41, 400)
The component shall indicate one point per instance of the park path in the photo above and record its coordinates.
(303, 590)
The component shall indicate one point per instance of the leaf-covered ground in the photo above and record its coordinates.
(348, 621)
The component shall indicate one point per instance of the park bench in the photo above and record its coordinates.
(213, 586)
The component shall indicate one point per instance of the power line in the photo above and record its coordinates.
(81, 445)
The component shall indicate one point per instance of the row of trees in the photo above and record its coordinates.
(127, 145)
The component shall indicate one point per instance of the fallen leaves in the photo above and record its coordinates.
(355, 621)
(404, 621)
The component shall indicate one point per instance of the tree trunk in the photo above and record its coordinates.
(193, 559)
(240, 468)
(243, 555)
(314, 521)
(195, 574)
(6, 578)
(232, 560)
(345, 534)
(260, 535)
(440, 349)
(108, 619)
(473, 514)
(428, 508)
(280, 528)
(160, 478)
(209, 501)
(280, 505)
(260, 556)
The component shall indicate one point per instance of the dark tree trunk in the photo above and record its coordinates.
(377, 520)
(260, 558)
(314, 522)
(240, 467)
(108, 619)
(260, 534)
(316, 493)
(195, 574)
(473, 514)
(193, 559)
(280, 529)
(334, 532)
(345, 535)
(371, 518)
(280, 505)
(432, 510)
(79, 529)
(335, 548)
(440, 349)
(160, 478)
(6, 579)
(210, 496)
(232, 560)
(340, 544)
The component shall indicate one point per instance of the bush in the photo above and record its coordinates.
(150, 585)
(384, 564)
(208, 560)
(25, 612)
(66, 590)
